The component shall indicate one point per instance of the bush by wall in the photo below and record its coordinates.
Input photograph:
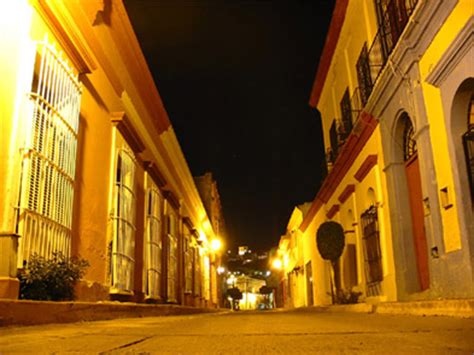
(51, 279)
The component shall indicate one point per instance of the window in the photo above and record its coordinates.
(393, 16)
(188, 262)
(346, 111)
(123, 244)
(372, 254)
(172, 254)
(49, 157)
(197, 272)
(334, 140)
(409, 142)
(206, 278)
(153, 248)
(363, 75)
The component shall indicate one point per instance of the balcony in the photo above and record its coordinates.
(392, 17)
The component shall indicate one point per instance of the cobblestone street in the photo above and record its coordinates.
(249, 332)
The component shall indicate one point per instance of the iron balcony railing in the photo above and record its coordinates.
(393, 17)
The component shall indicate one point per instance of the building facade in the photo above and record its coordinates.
(394, 88)
(90, 164)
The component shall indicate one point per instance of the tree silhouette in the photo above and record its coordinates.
(330, 241)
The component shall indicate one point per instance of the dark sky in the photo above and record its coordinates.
(235, 78)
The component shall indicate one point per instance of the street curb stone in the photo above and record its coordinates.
(23, 312)
(462, 308)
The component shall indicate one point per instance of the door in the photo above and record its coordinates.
(412, 170)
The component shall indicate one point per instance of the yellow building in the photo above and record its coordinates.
(394, 88)
(90, 164)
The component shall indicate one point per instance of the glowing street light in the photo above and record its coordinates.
(276, 264)
(220, 270)
(216, 244)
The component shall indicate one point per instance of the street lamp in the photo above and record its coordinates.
(216, 244)
(277, 264)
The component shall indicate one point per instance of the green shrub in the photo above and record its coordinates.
(51, 279)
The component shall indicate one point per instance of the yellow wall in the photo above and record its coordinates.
(434, 109)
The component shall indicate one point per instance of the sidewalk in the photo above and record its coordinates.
(22, 312)
(462, 308)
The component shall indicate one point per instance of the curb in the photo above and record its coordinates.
(462, 308)
(22, 312)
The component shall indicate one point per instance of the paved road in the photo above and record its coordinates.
(249, 333)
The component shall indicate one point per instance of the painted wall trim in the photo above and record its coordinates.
(53, 14)
(334, 209)
(365, 167)
(154, 173)
(358, 138)
(346, 193)
(453, 55)
(126, 129)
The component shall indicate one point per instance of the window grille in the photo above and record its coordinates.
(468, 140)
(363, 75)
(172, 255)
(188, 262)
(334, 140)
(409, 142)
(153, 241)
(49, 157)
(346, 111)
(372, 253)
(393, 16)
(197, 273)
(206, 278)
(123, 246)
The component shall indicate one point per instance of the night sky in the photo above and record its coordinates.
(235, 78)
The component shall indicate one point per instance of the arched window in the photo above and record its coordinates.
(123, 246)
(51, 114)
(468, 140)
(409, 143)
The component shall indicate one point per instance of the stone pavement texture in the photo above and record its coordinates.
(264, 332)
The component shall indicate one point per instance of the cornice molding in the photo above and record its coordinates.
(155, 173)
(123, 124)
(456, 51)
(187, 221)
(172, 199)
(58, 20)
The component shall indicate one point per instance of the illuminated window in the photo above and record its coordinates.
(153, 241)
(172, 254)
(49, 157)
(188, 262)
(206, 278)
(197, 273)
(123, 244)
